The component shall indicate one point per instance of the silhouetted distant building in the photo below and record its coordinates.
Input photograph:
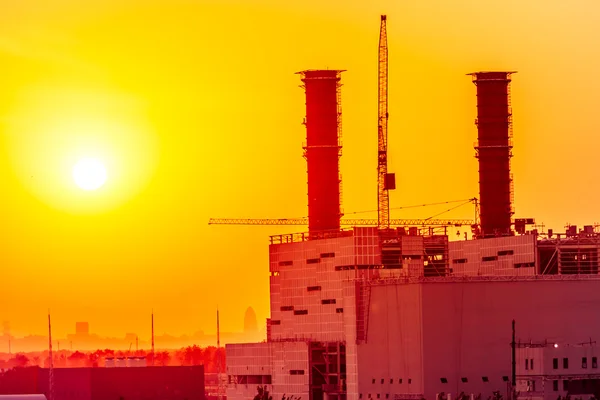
(82, 328)
(159, 383)
(250, 325)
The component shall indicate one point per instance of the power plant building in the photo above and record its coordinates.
(404, 313)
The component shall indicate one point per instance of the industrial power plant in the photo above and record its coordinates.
(392, 309)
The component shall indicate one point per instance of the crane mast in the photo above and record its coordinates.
(385, 181)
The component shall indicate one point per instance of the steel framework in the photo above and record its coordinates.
(346, 222)
(385, 182)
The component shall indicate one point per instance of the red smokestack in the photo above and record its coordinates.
(494, 150)
(323, 148)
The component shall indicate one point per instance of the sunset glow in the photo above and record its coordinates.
(195, 111)
(89, 174)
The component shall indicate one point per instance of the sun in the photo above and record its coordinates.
(89, 174)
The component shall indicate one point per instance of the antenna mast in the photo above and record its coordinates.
(51, 366)
(385, 181)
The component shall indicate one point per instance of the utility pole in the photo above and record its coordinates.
(514, 362)
(51, 366)
(152, 359)
(219, 397)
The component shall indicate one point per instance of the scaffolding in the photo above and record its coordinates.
(327, 362)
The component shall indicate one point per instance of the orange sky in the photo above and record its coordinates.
(195, 109)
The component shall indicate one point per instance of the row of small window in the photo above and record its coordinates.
(303, 312)
(565, 386)
(392, 380)
(387, 395)
(291, 308)
(584, 363)
(309, 260)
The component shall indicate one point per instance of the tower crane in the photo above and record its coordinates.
(385, 181)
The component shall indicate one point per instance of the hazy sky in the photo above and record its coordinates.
(195, 109)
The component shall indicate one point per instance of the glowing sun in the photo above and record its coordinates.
(89, 174)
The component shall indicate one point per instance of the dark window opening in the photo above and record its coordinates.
(565, 363)
(531, 363)
(459, 261)
(275, 322)
(525, 265)
(565, 385)
(392, 380)
(594, 362)
(313, 288)
(327, 255)
(377, 395)
(583, 362)
(300, 312)
(373, 381)
(339, 310)
(313, 260)
(506, 253)
(527, 363)
(360, 396)
(328, 301)
(286, 308)
(555, 386)
(382, 380)
(464, 380)
(489, 258)
(409, 381)
(400, 380)
(387, 395)
(505, 378)
(485, 379)
(555, 363)
(443, 380)
(296, 372)
(285, 263)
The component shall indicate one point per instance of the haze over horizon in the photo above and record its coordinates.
(194, 109)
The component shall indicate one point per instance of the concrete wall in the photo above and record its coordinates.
(392, 356)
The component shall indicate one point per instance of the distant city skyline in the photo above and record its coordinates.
(83, 337)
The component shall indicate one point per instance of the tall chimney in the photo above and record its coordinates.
(323, 148)
(494, 150)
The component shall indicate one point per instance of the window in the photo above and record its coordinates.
(400, 380)
(459, 261)
(360, 396)
(555, 386)
(583, 362)
(505, 378)
(300, 312)
(409, 381)
(489, 258)
(506, 253)
(382, 380)
(527, 363)
(387, 395)
(285, 263)
(565, 363)
(373, 381)
(377, 395)
(339, 310)
(313, 260)
(594, 362)
(555, 363)
(443, 380)
(531, 363)
(328, 301)
(275, 322)
(327, 255)
(464, 379)
(313, 288)
(287, 308)
(565, 385)
(296, 372)
(485, 379)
